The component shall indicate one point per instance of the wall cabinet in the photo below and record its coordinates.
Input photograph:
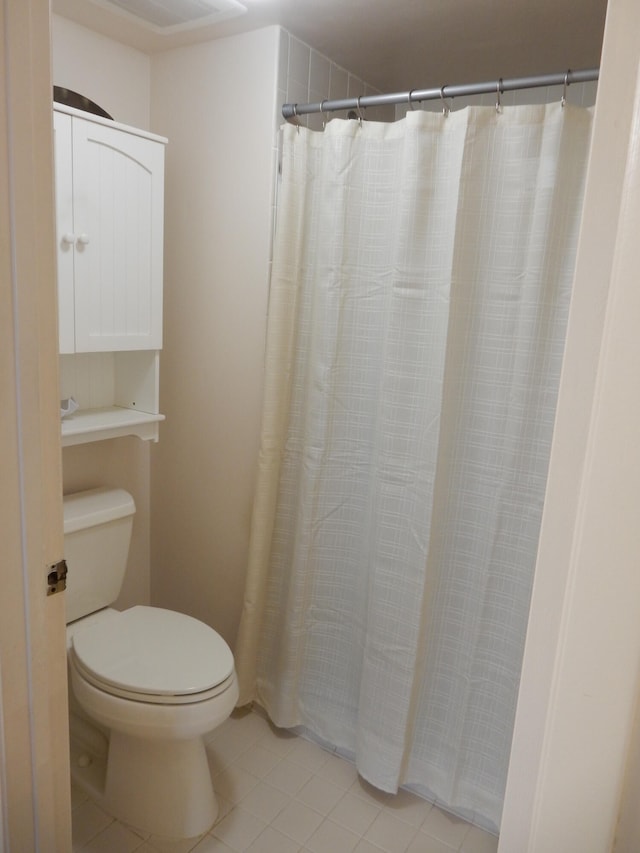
(110, 213)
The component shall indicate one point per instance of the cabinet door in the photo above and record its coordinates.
(64, 234)
(118, 199)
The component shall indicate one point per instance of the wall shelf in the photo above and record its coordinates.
(117, 393)
(87, 425)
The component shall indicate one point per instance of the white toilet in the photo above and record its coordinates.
(151, 682)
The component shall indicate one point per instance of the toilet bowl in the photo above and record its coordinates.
(156, 681)
(153, 680)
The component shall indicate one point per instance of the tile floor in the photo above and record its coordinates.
(279, 793)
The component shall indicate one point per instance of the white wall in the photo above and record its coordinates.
(118, 79)
(113, 75)
(216, 104)
(219, 104)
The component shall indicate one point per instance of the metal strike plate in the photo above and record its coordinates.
(57, 577)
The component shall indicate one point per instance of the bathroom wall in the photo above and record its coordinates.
(219, 104)
(216, 104)
(118, 78)
(115, 76)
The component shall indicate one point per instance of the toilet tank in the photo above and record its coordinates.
(97, 532)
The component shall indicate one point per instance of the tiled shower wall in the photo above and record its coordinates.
(305, 76)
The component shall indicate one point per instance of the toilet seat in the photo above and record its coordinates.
(153, 655)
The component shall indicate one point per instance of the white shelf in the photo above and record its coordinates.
(87, 425)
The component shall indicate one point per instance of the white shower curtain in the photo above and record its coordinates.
(421, 280)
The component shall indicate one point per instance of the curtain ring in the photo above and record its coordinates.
(498, 96)
(358, 110)
(564, 90)
(324, 122)
(446, 109)
(295, 115)
(410, 102)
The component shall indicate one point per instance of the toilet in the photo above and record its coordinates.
(146, 684)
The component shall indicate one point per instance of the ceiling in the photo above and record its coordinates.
(402, 44)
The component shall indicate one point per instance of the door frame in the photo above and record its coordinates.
(34, 758)
(575, 717)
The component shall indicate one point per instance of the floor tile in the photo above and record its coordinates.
(288, 777)
(361, 788)
(114, 839)
(297, 821)
(145, 836)
(257, 760)
(354, 813)
(224, 806)
(233, 783)
(265, 801)
(338, 771)
(320, 794)
(238, 829)
(478, 841)
(391, 834)
(408, 807)
(445, 827)
(250, 723)
(330, 837)
(279, 741)
(87, 821)
(224, 751)
(78, 796)
(273, 841)
(171, 845)
(423, 843)
(209, 844)
(308, 754)
(365, 846)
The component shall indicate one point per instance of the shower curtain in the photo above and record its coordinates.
(421, 280)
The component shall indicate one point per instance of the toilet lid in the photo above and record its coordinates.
(148, 650)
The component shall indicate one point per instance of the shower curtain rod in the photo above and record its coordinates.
(564, 78)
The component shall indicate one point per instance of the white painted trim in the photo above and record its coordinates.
(577, 695)
(33, 693)
(4, 823)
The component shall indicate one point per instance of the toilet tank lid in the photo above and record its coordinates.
(96, 506)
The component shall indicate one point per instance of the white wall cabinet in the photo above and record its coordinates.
(110, 213)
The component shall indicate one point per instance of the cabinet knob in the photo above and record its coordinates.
(83, 238)
(70, 239)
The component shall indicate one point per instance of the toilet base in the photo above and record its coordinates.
(145, 785)
(162, 787)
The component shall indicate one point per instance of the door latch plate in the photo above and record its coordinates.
(56, 577)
